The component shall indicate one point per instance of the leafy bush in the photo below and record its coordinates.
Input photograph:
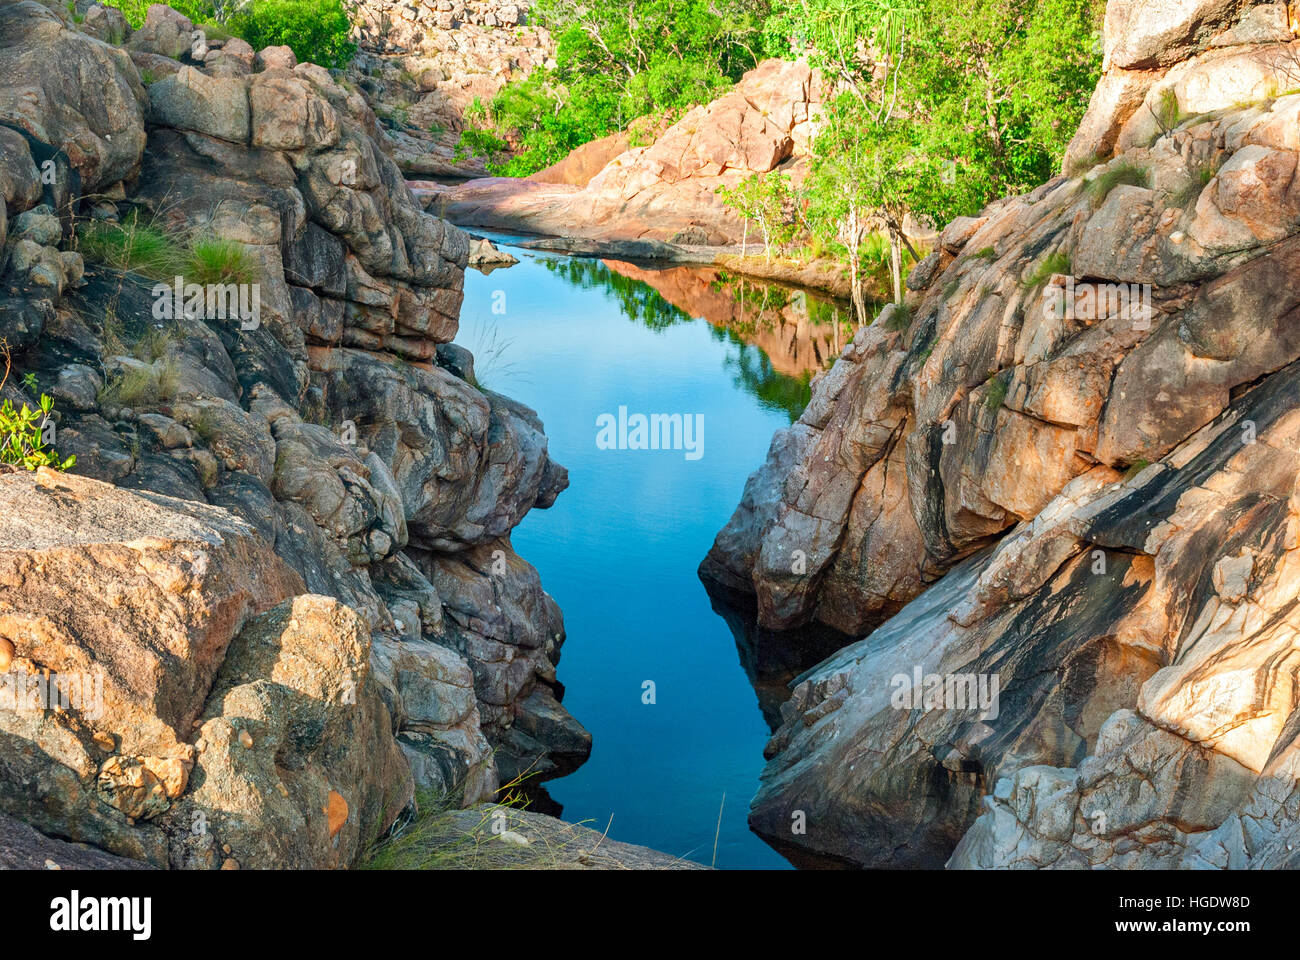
(199, 11)
(481, 143)
(618, 61)
(316, 30)
(22, 437)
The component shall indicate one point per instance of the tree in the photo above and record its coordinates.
(941, 105)
(768, 200)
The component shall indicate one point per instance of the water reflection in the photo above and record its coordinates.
(782, 336)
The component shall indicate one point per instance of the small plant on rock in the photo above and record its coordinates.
(134, 244)
(218, 260)
(1053, 263)
(23, 434)
(1122, 174)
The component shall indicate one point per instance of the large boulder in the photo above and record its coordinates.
(134, 598)
(1167, 60)
(668, 190)
(71, 91)
(296, 766)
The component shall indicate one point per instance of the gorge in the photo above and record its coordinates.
(323, 566)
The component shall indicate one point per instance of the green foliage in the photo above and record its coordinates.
(996, 392)
(618, 61)
(1121, 174)
(22, 439)
(218, 260)
(135, 11)
(979, 100)
(900, 318)
(1053, 263)
(141, 386)
(481, 143)
(1167, 112)
(316, 30)
(1201, 175)
(134, 244)
(767, 200)
(1136, 467)
(146, 247)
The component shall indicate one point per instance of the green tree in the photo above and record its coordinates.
(768, 200)
(942, 106)
(621, 60)
(318, 31)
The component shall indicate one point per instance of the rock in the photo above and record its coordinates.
(924, 272)
(669, 188)
(164, 32)
(140, 644)
(1079, 492)
(105, 23)
(484, 254)
(22, 848)
(583, 163)
(548, 843)
(67, 89)
(189, 100)
(298, 681)
(473, 475)
(1151, 33)
(246, 446)
(276, 58)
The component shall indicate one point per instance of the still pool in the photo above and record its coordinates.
(578, 339)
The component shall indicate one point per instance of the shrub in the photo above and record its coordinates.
(316, 30)
(22, 437)
(481, 143)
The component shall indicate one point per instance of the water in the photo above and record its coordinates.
(620, 548)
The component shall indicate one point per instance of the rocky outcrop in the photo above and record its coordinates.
(328, 452)
(152, 700)
(1166, 62)
(1073, 492)
(22, 848)
(424, 66)
(666, 191)
(500, 837)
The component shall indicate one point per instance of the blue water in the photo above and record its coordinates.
(620, 548)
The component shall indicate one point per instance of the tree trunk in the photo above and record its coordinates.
(896, 266)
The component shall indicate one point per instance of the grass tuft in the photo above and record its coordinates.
(1122, 174)
(132, 245)
(996, 392)
(217, 260)
(1053, 263)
